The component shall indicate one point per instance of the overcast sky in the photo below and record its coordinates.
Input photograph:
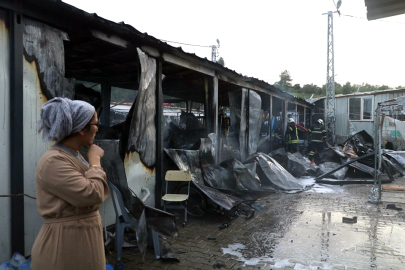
(262, 38)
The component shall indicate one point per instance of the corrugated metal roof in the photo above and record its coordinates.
(374, 93)
(377, 9)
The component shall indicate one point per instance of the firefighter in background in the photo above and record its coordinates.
(292, 136)
(317, 137)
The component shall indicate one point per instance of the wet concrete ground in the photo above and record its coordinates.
(293, 231)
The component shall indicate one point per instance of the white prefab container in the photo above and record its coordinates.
(5, 206)
(367, 103)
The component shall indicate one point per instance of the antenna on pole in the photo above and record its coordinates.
(330, 79)
(214, 52)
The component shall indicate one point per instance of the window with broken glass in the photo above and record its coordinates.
(361, 108)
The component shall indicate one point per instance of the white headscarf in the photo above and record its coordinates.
(61, 117)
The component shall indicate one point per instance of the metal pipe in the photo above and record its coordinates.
(379, 157)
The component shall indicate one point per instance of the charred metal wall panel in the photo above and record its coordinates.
(140, 157)
(5, 239)
(43, 78)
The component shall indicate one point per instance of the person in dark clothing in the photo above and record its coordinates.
(317, 136)
(292, 136)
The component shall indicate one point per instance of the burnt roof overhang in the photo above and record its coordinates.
(103, 51)
(378, 9)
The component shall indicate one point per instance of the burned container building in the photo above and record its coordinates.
(51, 49)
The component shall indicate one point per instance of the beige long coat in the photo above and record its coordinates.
(69, 195)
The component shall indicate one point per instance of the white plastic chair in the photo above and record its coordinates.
(169, 199)
(125, 221)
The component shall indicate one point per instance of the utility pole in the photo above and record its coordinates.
(330, 84)
(214, 52)
(330, 79)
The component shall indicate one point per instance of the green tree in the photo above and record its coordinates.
(383, 87)
(310, 89)
(221, 61)
(285, 81)
(347, 88)
(297, 87)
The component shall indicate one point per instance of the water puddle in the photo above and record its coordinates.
(239, 250)
(321, 239)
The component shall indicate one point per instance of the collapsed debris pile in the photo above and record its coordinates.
(242, 174)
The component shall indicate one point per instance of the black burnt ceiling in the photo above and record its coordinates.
(183, 83)
(94, 60)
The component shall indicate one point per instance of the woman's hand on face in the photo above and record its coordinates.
(95, 154)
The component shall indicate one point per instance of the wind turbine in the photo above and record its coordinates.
(339, 3)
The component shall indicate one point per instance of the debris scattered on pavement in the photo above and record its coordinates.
(349, 220)
(218, 265)
(393, 187)
(393, 207)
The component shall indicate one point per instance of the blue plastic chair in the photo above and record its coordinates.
(125, 221)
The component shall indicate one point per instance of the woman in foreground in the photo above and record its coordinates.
(69, 189)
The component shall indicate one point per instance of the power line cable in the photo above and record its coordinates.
(362, 18)
(334, 4)
(187, 44)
